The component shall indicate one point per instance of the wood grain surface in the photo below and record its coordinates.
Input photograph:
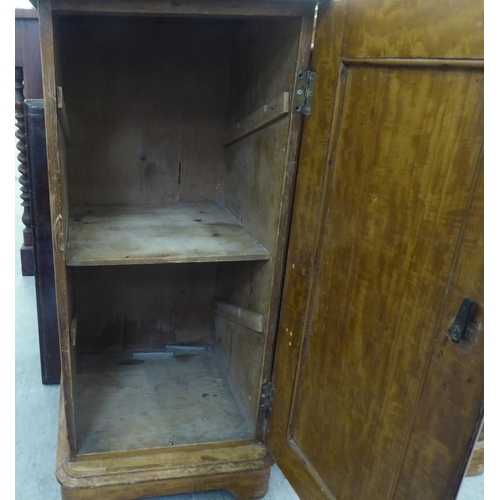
(442, 442)
(258, 188)
(414, 28)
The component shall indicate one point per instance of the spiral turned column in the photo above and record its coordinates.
(27, 257)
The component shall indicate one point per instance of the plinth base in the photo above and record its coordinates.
(241, 468)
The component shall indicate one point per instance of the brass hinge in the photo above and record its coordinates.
(266, 398)
(304, 91)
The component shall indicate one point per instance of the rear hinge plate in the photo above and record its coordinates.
(266, 398)
(304, 91)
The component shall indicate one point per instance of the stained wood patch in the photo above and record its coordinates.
(181, 232)
(244, 317)
(62, 115)
(265, 115)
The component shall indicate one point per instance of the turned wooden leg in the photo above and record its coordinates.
(27, 256)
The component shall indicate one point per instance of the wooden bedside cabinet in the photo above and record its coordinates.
(222, 304)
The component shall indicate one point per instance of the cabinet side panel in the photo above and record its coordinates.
(254, 181)
(58, 209)
(258, 186)
(263, 64)
(239, 351)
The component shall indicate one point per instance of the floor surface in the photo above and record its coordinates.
(36, 410)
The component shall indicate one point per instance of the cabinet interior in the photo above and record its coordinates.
(176, 166)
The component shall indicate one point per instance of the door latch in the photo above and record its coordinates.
(462, 328)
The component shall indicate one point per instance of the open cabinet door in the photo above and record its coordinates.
(373, 399)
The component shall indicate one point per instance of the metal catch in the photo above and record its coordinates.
(462, 328)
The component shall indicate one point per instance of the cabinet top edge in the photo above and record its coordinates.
(202, 8)
(27, 13)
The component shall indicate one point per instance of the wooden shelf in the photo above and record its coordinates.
(183, 232)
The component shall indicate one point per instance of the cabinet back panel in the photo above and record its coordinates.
(147, 105)
(143, 307)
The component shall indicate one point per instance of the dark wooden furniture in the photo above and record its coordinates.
(27, 259)
(172, 143)
(36, 251)
(42, 241)
(28, 85)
